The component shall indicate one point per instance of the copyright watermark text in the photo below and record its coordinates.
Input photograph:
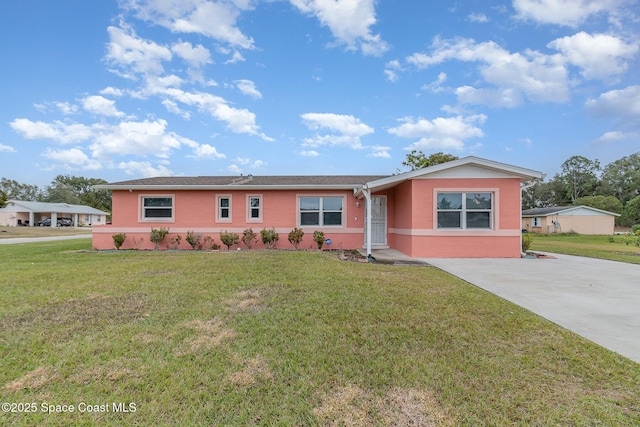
(81, 407)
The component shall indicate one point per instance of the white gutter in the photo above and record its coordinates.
(367, 195)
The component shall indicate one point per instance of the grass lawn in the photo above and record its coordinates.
(13, 232)
(285, 338)
(589, 246)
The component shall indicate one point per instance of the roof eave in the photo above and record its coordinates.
(227, 187)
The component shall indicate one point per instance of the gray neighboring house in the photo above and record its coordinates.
(18, 212)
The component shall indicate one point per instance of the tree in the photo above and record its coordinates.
(631, 212)
(418, 160)
(545, 194)
(79, 190)
(17, 191)
(3, 199)
(580, 176)
(621, 178)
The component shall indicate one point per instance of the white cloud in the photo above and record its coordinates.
(512, 76)
(73, 158)
(57, 131)
(309, 153)
(7, 148)
(196, 57)
(134, 55)
(111, 91)
(235, 58)
(623, 104)
(102, 106)
(563, 12)
(137, 138)
(436, 86)
(215, 19)
(238, 120)
(206, 151)
(613, 136)
(380, 151)
(600, 56)
(349, 21)
(347, 130)
(144, 169)
(391, 70)
(67, 108)
(440, 133)
(478, 17)
(248, 87)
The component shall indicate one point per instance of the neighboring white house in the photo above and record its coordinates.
(569, 219)
(18, 212)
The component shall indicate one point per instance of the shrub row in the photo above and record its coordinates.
(197, 241)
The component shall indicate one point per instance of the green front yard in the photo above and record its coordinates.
(285, 338)
(605, 247)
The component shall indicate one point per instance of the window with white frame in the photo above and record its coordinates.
(157, 208)
(254, 205)
(224, 208)
(465, 210)
(536, 221)
(321, 211)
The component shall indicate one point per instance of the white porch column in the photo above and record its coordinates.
(54, 219)
(367, 196)
(32, 219)
(75, 220)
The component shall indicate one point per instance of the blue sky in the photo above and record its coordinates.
(136, 88)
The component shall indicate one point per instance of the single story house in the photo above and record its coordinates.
(569, 219)
(18, 212)
(470, 207)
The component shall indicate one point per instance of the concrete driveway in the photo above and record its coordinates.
(597, 299)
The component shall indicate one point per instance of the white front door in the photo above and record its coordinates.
(378, 220)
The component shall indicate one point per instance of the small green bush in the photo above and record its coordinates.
(229, 239)
(118, 240)
(157, 236)
(318, 237)
(194, 240)
(269, 237)
(527, 240)
(249, 237)
(295, 237)
(635, 229)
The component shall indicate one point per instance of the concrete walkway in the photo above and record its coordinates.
(42, 239)
(597, 299)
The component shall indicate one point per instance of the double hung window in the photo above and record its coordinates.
(465, 210)
(224, 208)
(321, 211)
(255, 208)
(157, 208)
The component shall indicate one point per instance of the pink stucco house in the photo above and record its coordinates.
(469, 207)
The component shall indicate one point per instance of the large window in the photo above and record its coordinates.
(465, 210)
(157, 208)
(321, 211)
(224, 208)
(255, 208)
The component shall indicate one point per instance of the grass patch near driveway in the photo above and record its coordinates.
(588, 246)
(286, 338)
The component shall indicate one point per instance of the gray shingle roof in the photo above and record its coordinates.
(46, 207)
(325, 181)
(545, 211)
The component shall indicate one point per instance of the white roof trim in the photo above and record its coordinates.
(572, 208)
(524, 174)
